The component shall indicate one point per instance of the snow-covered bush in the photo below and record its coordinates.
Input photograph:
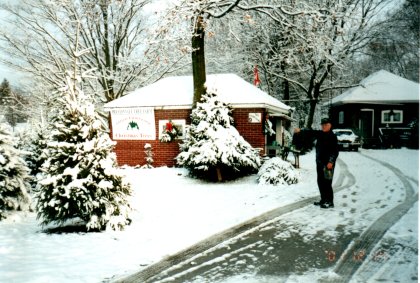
(276, 171)
(80, 178)
(213, 147)
(148, 151)
(14, 178)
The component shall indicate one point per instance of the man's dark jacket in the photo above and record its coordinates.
(326, 146)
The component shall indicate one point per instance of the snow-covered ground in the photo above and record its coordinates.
(173, 211)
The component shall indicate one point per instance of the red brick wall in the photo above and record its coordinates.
(252, 132)
(131, 152)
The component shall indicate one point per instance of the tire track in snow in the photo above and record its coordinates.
(179, 262)
(347, 266)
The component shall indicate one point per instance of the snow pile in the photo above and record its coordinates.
(276, 171)
(14, 178)
(213, 145)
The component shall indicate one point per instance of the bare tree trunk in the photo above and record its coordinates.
(219, 174)
(286, 95)
(312, 107)
(198, 60)
(315, 86)
(312, 104)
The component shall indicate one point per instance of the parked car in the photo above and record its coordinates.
(347, 139)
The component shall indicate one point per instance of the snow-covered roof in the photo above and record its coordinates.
(379, 88)
(177, 93)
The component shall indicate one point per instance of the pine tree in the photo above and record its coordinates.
(213, 147)
(6, 103)
(80, 175)
(34, 145)
(81, 179)
(14, 177)
(4, 91)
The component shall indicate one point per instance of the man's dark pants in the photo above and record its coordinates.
(324, 185)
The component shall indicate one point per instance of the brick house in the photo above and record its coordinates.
(140, 116)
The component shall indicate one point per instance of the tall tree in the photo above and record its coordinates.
(201, 13)
(198, 59)
(395, 47)
(205, 9)
(307, 45)
(115, 31)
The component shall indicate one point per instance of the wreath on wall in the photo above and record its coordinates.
(170, 132)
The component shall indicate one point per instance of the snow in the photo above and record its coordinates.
(381, 86)
(172, 212)
(231, 89)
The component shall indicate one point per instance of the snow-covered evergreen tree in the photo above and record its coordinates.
(14, 179)
(34, 145)
(80, 178)
(276, 171)
(213, 147)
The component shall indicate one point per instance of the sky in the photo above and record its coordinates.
(5, 72)
(174, 212)
(13, 76)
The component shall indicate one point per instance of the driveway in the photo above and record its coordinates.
(274, 248)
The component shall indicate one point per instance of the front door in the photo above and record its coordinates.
(366, 125)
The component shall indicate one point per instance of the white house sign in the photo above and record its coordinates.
(133, 123)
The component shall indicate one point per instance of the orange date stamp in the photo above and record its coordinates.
(358, 255)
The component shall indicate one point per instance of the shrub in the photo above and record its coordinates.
(276, 171)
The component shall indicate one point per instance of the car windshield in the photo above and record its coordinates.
(342, 133)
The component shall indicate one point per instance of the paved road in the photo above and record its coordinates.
(269, 245)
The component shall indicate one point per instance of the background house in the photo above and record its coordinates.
(383, 110)
(140, 116)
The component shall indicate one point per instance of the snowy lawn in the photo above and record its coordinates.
(172, 212)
